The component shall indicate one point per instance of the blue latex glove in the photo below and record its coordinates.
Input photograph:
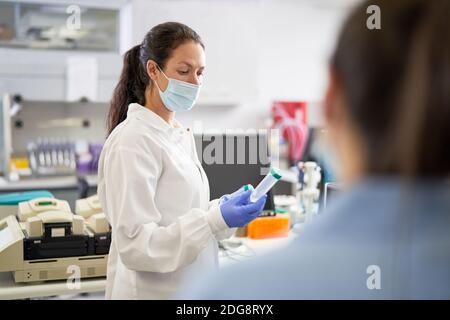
(241, 189)
(238, 211)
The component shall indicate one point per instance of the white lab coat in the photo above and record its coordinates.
(155, 195)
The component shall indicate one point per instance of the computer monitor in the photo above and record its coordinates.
(233, 160)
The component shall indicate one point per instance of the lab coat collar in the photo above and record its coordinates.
(139, 111)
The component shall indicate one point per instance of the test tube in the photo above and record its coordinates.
(266, 184)
(245, 188)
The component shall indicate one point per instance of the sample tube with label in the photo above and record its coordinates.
(266, 184)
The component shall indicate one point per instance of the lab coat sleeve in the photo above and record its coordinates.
(224, 233)
(142, 244)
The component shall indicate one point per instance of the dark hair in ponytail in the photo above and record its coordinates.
(396, 84)
(157, 45)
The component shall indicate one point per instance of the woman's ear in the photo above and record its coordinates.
(152, 69)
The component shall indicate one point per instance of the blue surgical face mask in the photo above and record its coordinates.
(179, 95)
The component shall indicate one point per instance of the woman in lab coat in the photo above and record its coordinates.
(152, 187)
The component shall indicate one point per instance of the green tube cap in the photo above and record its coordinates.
(275, 173)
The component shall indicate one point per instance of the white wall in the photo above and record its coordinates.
(256, 50)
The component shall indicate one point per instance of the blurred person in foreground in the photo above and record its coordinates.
(387, 109)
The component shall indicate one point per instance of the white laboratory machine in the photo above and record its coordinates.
(45, 240)
(309, 193)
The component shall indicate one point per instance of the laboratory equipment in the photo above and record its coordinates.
(95, 149)
(55, 156)
(288, 204)
(90, 209)
(266, 184)
(51, 156)
(88, 206)
(9, 202)
(308, 193)
(45, 240)
(269, 227)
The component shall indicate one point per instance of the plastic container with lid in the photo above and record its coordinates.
(269, 227)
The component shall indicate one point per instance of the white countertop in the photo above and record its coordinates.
(250, 248)
(59, 182)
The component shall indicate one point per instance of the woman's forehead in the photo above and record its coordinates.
(190, 54)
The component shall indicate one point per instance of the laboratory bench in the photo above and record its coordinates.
(69, 188)
(232, 250)
(57, 182)
(11, 290)
(238, 249)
